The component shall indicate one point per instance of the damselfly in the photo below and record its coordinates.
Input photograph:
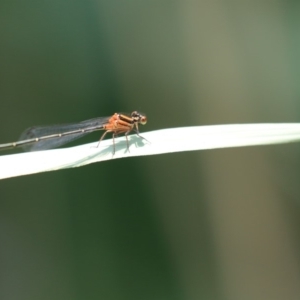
(48, 137)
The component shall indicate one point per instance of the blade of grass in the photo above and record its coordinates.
(161, 141)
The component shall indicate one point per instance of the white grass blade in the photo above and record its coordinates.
(161, 141)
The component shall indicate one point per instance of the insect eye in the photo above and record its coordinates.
(143, 120)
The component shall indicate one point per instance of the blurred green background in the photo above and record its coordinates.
(220, 224)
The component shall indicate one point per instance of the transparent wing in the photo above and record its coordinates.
(57, 135)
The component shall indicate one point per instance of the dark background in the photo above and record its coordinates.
(220, 224)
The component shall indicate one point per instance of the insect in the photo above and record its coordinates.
(48, 137)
